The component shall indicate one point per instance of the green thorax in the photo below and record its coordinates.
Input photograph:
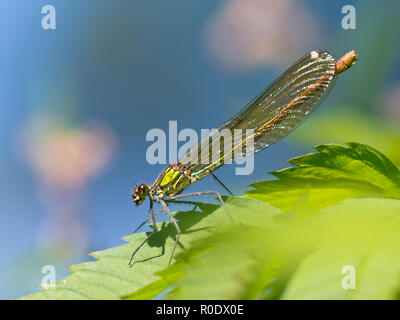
(172, 181)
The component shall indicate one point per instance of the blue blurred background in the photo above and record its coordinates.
(77, 102)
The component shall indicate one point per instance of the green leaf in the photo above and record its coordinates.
(110, 277)
(224, 247)
(362, 234)
(333, 174)
(295, 259)
(267, 254)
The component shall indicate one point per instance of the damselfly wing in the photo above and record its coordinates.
(271, 115)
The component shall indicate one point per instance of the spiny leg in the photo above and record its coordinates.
(152, 232)
(194, 203)
(178, 230)
(147, 220)
(222, 184)
(201, 193)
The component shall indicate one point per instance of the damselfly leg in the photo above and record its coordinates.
(173, 220)
(202, 193)
(222, 184)
(164, 207)
(154, 230)
(178, 230)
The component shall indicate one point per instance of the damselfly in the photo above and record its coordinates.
(271, 115)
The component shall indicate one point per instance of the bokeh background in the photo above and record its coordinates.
(76, 104)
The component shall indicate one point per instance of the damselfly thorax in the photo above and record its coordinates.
(172, 181)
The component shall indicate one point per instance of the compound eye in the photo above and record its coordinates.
(139, 194)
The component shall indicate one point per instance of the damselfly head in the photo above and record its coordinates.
(139, 193)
